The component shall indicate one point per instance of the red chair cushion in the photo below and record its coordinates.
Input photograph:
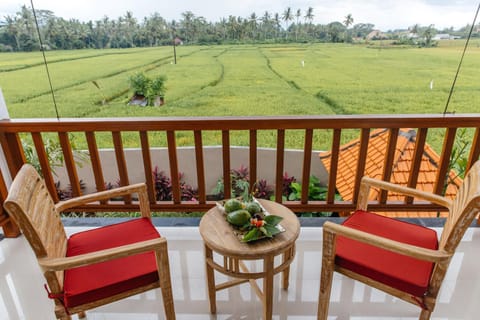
(93, 282)
(398, 271)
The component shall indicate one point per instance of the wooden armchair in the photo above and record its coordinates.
(93, 267)
(399, 258)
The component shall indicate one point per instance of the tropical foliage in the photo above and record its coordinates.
(18, 32)
(147, 87)
(54, 154)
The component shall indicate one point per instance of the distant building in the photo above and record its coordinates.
(376, 35)
(178, 41)
(444, 36)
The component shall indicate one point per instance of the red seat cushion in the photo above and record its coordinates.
(93, 282)
(404, 273)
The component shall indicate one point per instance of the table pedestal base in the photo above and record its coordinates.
(236, 268)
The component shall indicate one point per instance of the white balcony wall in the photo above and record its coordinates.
(266, 165)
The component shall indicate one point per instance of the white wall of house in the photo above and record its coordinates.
(266, 161)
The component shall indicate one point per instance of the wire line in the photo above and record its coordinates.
(45, 60)
(461, 60)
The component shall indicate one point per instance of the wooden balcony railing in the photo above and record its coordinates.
(333, 127)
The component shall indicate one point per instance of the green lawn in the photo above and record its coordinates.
(245, 80)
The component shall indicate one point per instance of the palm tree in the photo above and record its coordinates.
(265, 23)
(187, 24)
(298, 15)
(130, 24)
(242, 26)
(287, 17)
(253, 25)
(414, 29)
(309, 16)
(223, 25)
(348, 21)
(156, 28)
(428, 34)
(276, 18)
(13, 30)
(232, 27)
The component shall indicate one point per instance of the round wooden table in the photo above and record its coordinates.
(218, 237)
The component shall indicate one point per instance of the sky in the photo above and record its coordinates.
(384, 14)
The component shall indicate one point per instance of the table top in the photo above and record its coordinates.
(219, 236)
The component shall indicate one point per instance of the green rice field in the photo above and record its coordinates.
(309, 79)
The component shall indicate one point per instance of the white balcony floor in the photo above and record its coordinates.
(22, 295)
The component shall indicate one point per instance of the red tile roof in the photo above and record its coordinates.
(403, 160)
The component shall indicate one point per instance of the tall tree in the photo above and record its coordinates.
(232, 27)
(309, 17)
(129, 29)
(223, 27)
(187, 25)
(335, 30)
(155, 29)
(253, 25)
(11, 34)
(287, 17)
(348, 22)
(361, 30)
(414, 29)
(28, 41)
(266, 24)
(276, 19)
(298, 15)
(428, 34)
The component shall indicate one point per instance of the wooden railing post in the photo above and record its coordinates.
(13, 152)
(10, 229)
(315, 130)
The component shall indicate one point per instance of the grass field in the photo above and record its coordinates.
(246, 80)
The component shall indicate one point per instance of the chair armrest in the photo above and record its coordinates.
(58, 264)
(442, 201)
(387, 244)
(102, 195)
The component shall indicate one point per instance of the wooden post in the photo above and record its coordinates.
(10, 229)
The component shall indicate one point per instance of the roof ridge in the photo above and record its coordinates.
(354, 143)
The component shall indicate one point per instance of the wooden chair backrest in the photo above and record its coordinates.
(29, 203)
(463, 210)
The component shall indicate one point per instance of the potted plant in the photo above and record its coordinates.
(157, 91)
(147, 91)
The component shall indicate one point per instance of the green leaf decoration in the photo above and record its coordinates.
(252, 235)
(272, 230)
(265, 231)
(272, 220)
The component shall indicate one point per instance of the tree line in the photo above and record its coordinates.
(18, 32)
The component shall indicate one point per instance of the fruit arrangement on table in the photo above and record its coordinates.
(250, 220)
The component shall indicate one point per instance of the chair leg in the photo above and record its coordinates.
(325, 289)
(61, 313)
(168, 303)
(425, 315)
(82, 315)
(328, 263)
(165, 283)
